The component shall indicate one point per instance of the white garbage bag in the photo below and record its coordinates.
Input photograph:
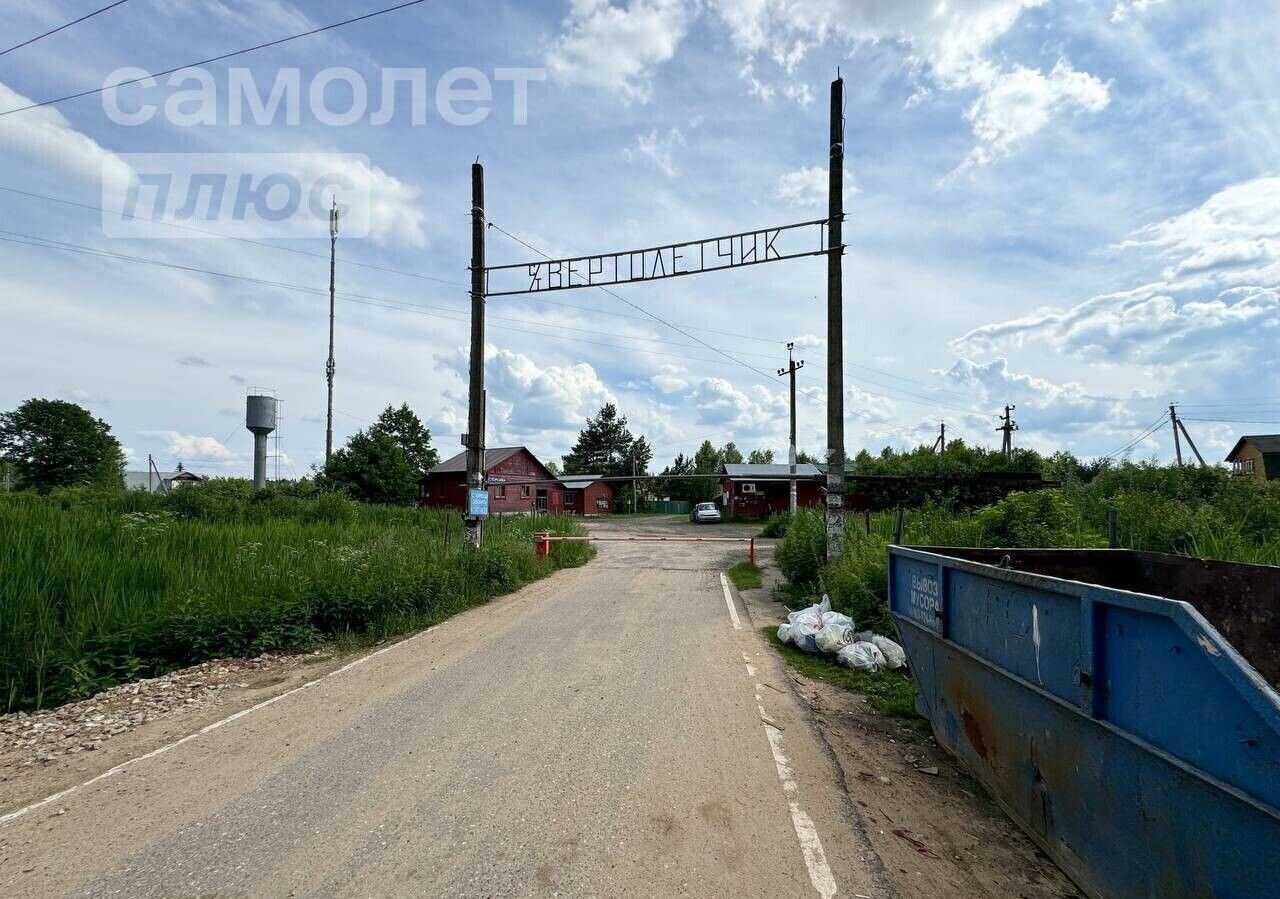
(833, 637)
(894, 655)
(784, 633)
(836, 619)
(861, 657)
(863, 637)
(805, 627)
(824, 606)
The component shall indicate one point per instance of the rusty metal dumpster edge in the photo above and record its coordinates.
(1120, 730)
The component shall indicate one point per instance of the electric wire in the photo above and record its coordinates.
(639, 308)
(204, 62)
(1147, 432)
(65, 25)
(244, 240)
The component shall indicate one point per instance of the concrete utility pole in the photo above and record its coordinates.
(329, 366)
(1008, 426)
(476, 397)
(1177, 445)
(835, 327)
(791, 369)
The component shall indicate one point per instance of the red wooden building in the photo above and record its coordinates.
(506, 468)
(586, 494)
(758, 491)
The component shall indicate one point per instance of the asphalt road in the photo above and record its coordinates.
(605, 732)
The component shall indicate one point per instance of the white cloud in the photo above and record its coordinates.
(1125, 7)
(807, 187)
(659, 148)
(1233, 238)
(949, 42)
(46, 136)
(616, 48)
(1219, 293)
(1058, 407)
(189, 447)
(810, 341)
(1017, 104)
(752, 411)
(670, 379)
(528, 403)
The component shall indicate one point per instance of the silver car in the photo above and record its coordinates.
(705, 513)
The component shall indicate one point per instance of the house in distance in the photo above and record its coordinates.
(509, 470)
(587, 494)
(1257, 456)
(758, 491)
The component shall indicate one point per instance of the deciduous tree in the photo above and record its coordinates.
(53, 443)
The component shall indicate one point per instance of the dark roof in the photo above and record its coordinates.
(1265, 443)
(740, 471)
(492, 457)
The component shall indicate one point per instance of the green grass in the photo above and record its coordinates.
(746, 576)
(889, 692)
(102, 588)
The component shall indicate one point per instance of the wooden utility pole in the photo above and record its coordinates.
(329, 366)
(940, 445)
(1177, 444)
(835, 327)
(476, 396)
(1008, 426)
(791, 369)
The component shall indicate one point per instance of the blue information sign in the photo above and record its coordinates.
(478, 503)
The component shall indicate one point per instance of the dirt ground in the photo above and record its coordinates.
(936, 835)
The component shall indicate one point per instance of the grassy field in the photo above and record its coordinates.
(100, 588)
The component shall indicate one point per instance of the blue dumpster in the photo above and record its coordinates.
(1094, 695)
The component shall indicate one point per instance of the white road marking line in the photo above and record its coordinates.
(815, 859)
(728, 601)
(15, 815)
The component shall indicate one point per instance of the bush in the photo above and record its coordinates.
(776, 525)
(1041, 518)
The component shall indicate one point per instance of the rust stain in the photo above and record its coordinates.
(973, 731)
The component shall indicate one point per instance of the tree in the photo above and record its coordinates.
(554, 469)
(373, 468)
(706, 460)
(760, 457)
(406, 429)
(53, 443)
(804, 458)
(731, 455)
(679, 489)
(603, 447)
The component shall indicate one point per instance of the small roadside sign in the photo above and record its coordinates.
(478, 503)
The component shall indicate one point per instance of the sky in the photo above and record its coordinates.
(1071, 206)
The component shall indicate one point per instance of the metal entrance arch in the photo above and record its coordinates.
(745, 248)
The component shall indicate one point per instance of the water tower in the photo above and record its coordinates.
(260, 418)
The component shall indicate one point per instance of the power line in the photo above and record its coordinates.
(63, 26)
(459, 315)
(212, 59)
(640, 308)
(245, 240)
(1147, 432)
(362, 299)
